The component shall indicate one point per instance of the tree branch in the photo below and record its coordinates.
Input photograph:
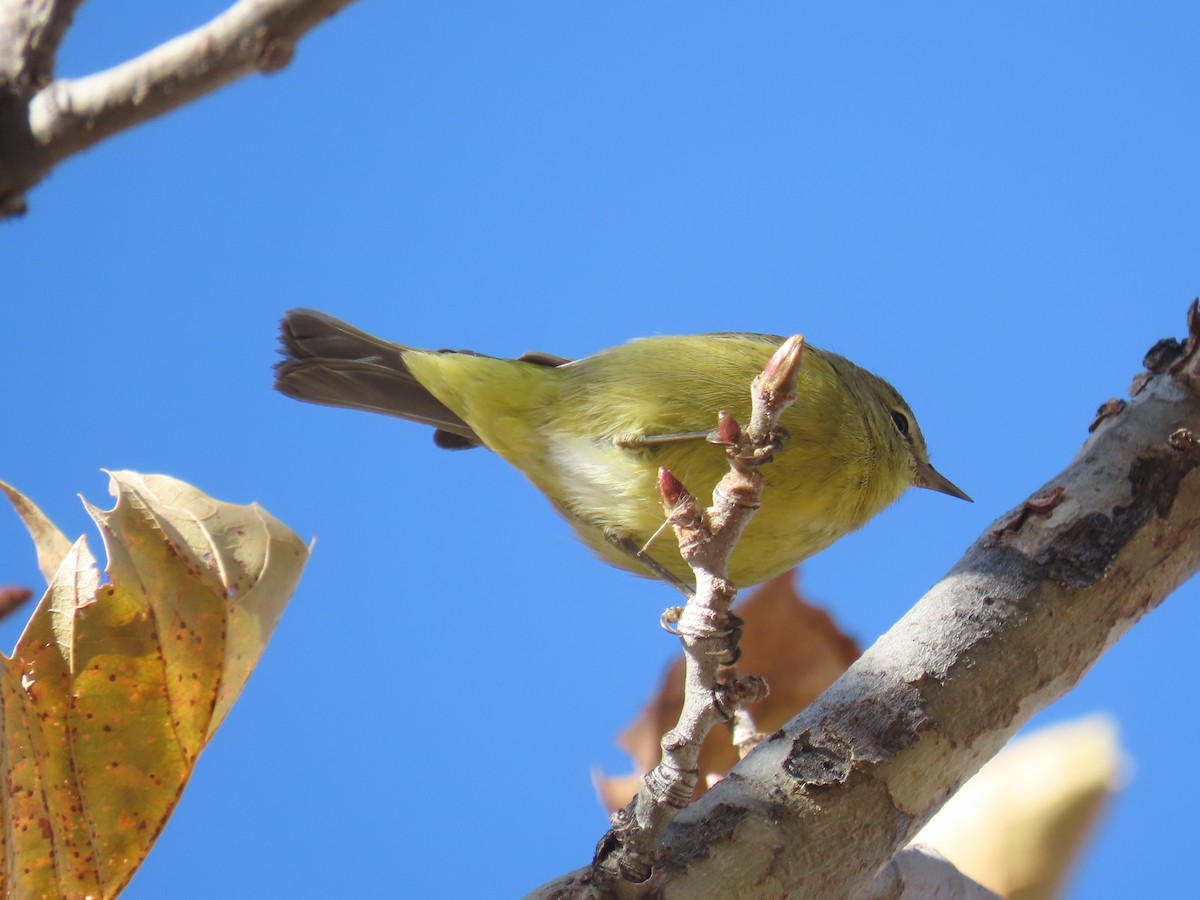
(70, 115)
(822, 805)
(30, 33)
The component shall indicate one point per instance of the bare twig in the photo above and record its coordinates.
(822, 805)
(67, 116)
(708, 631)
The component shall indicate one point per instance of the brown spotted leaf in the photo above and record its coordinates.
(114, 689)
(797, 647)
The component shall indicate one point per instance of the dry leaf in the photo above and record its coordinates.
(795, 646)
(113, 690)
(1019, 824)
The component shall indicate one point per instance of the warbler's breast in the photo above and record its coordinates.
(820, 486)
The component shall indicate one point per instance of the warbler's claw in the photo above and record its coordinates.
(762, 454)
(734, 625)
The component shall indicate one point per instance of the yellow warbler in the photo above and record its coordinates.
(591, 434)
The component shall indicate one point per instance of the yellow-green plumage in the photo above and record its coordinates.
(567, 428)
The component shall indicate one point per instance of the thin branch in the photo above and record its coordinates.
(818, 808)
(71, 115)
(713, 693)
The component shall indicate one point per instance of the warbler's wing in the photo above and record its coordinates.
(663, 389)
(540, 358)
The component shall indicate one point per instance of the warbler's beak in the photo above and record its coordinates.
(931, 478)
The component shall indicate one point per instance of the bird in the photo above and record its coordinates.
(592, 434)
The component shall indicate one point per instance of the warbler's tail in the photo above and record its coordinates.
(330, 362)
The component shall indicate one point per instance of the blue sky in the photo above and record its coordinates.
(994, 208)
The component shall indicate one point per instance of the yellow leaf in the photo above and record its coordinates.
(113, 690)
(1019, 825)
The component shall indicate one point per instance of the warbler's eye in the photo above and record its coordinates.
(901, 421)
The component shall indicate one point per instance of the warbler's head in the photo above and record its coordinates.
(897, 435)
